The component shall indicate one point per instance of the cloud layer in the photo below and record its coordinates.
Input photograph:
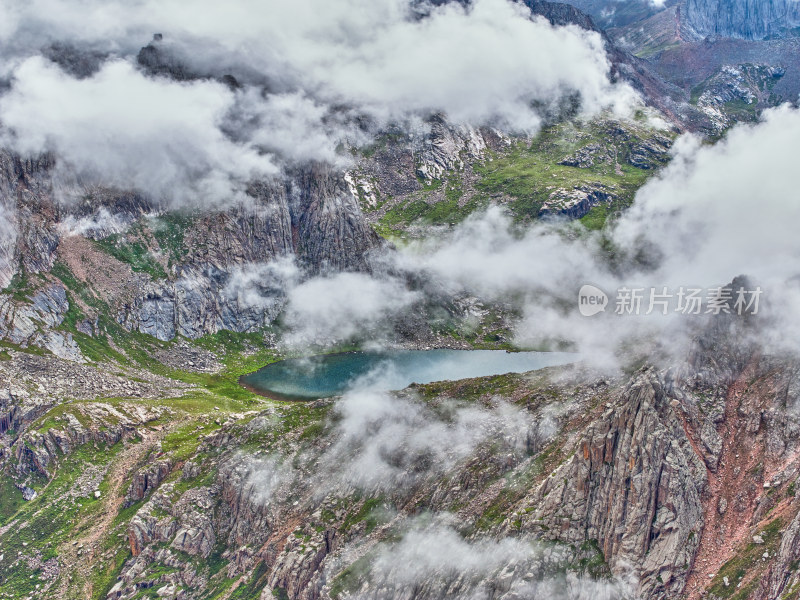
(336, 308)
(433, 559)
(312, 75)
(716, 212)
(484, 62)
(385, 442)
(137, 132)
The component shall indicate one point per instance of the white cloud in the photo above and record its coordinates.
(485, 63)
(98, 225)
(726, 210)
(488, 256)
(256, 285)
(383, 441)
(723, 210)
(264, 479)
(714, 213)
(433, 559)
(123, 128)
(296, 127)
(335, 308)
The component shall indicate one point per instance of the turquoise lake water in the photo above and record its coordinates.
(333, 374)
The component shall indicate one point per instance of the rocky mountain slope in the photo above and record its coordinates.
(80, 274)
(696, 45)
(741, 19)
(134, 465)
(673, 481)
(746, 19)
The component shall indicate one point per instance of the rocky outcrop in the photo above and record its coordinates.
(8, 243)
(575, 203)
(33, 324)
(187, 525)
(196, 533)
(782, 576)
(635, 485)
(145, 528)
(742, 19)
(78, 62)
(146, 480)
(650, 153)
(724, 94)
(163, 58)
(447, 148)
(200, 303)
(401, 163)
(588, 156)
(30, 385)
(687, 471)
(39, 450)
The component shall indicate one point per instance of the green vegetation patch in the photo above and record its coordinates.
(49, 520)
(350, 578)
(529, 174)
(596, 219)
(746, 564)
(451, 210)
(251, 590)
(132, 251)
(169, 230)
(369, 513)
(21, 285)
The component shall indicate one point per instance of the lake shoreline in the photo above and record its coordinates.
(329, 375)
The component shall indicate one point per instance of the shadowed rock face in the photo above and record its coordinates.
(745, 19)
(561, 14)
(635, 485)
(311, 215)
(741, 19)
(669, 476)
(314, 218)
(79, 62)
(331, 231)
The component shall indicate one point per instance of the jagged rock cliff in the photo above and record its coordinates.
(742, 19)
(660, 473)
(179, 286)
(745, 19)
(636, 485)
(657, 484)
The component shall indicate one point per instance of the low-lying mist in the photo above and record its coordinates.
(716, 212)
